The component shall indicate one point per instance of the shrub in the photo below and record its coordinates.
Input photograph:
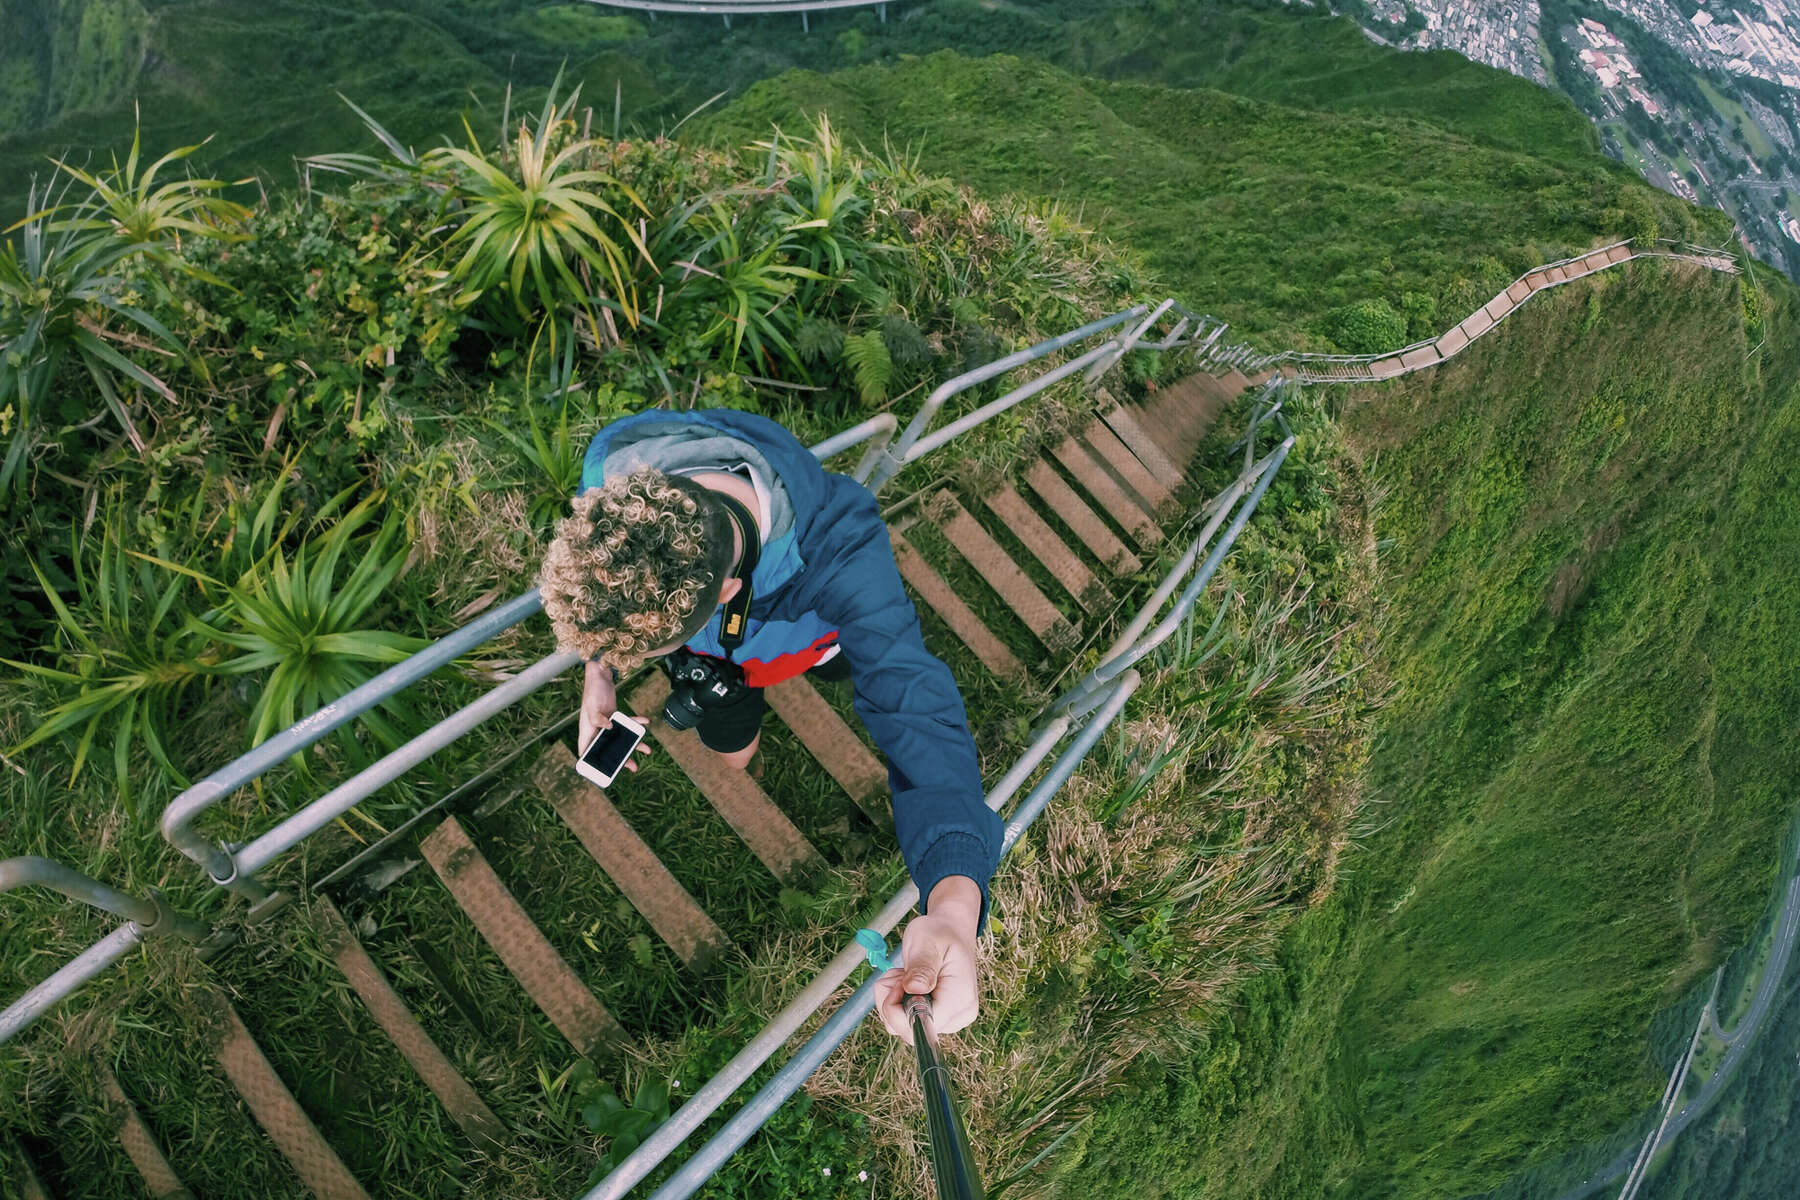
(1366, 327)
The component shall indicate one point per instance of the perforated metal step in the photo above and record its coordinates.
(23, 1175)
(534, 962)
(409, 1037)
(1157, 500)
(1118, 502)
(276, 1110)
(830, 740)
(1069, 508)
(1009, 582)
(936, 592)
(140, 1147)
(1045, 546)
(627, 860)
(1132, 432)
(737, 797)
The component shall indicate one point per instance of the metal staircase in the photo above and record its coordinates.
(1059, 546)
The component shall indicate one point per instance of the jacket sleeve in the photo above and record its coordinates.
(910, 704)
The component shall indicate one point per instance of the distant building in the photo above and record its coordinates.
(1702, 19)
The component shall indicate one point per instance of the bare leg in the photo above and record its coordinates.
(740, 759)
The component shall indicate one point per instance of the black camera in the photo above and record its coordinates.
(698, 682)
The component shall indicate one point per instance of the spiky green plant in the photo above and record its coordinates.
(401, 166)
(65, 284)
(527, 222)
(301, 616)
(552, 452)
(60, 289)
(129, 204)
(822, 195)
(740, 272)
(126, 651)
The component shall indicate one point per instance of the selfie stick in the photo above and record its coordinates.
(951, 1161)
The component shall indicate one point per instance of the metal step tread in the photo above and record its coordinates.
(1006, 577)
(1047, 547)
(139, 1144)
(1158, 501)
(22, 1174)
(275, 1108)
(932, 588)
(546, 977)
(627, 859)
(402, 1028)
(738, 798)
(1130, 431)
(835, 745)
(1061, 499)
(1091, 474)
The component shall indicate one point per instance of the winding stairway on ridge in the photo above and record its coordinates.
(1055, 546)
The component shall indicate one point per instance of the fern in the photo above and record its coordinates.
(873, 367)
(818, 339)
(906, 344)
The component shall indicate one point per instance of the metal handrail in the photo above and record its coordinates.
(30, 870)
(150, 917)
(759, 1108)
(908, 449)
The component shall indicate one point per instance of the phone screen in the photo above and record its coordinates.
(610, 748)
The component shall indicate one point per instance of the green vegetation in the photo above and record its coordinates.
(1602, 768)
(347, 456)
(1561, 586)
(67, 58)
(440, 58)
(1277, 216)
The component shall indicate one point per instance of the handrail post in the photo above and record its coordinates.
(153, 915)
(892, 459)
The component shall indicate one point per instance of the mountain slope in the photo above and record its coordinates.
(1577, 783)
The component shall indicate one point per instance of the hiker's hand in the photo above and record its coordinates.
(599, 701)
(939, 952)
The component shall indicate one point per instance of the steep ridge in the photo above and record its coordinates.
(1476, 567)
(1586, 611)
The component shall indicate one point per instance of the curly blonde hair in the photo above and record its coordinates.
(637, 565)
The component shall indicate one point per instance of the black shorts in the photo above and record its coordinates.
(730, 727)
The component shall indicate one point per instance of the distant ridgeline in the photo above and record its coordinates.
(66, 56)
(1584, 526)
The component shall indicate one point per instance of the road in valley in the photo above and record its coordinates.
(1737, 1044)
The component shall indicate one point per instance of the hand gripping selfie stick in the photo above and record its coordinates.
(951, 1161)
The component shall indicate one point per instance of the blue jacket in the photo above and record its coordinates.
(832, 573)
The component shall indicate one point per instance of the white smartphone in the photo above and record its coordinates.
(610, 750)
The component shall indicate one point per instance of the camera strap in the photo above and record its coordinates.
(737, 612)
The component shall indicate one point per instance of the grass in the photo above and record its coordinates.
(1503, 551)
(1730, 113)
(1558, 772)
(1200, 181)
